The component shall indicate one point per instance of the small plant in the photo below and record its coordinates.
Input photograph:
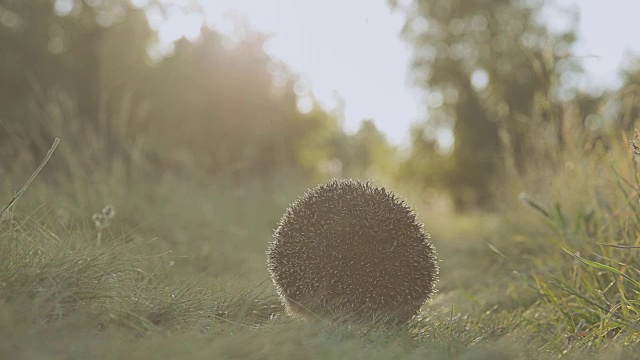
(350, 250)
(102, 220)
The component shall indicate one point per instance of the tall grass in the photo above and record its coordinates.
(176, 268)
(590, 279)
(159, 263)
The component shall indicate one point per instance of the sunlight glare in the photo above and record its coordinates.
(348, 54)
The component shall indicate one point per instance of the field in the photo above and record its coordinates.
(106, 261)
(149, 149)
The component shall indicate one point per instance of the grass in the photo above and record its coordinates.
(179, 270)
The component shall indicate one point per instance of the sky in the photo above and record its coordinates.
(601, 45)
(350, 53)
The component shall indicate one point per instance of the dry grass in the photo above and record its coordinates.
(178, 269)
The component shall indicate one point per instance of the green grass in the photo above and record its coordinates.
(179, 271)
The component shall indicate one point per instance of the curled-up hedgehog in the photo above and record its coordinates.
(352, 251)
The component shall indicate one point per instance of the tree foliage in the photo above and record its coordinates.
(205, 105)
(491, 70)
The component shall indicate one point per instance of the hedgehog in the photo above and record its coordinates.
(350, 250)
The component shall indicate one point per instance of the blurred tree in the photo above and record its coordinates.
(629, 113)
(491, 69)
(368, 152)
(54, 44)
(585, 127)
(210, 106)
(219, 106)
(596, 118)
(426, 154)
(56, 57)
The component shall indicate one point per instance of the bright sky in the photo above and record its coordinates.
(352, 50)
(607, 39)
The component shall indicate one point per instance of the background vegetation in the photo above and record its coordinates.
(144, 235)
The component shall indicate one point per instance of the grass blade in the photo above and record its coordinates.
(33, 176)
